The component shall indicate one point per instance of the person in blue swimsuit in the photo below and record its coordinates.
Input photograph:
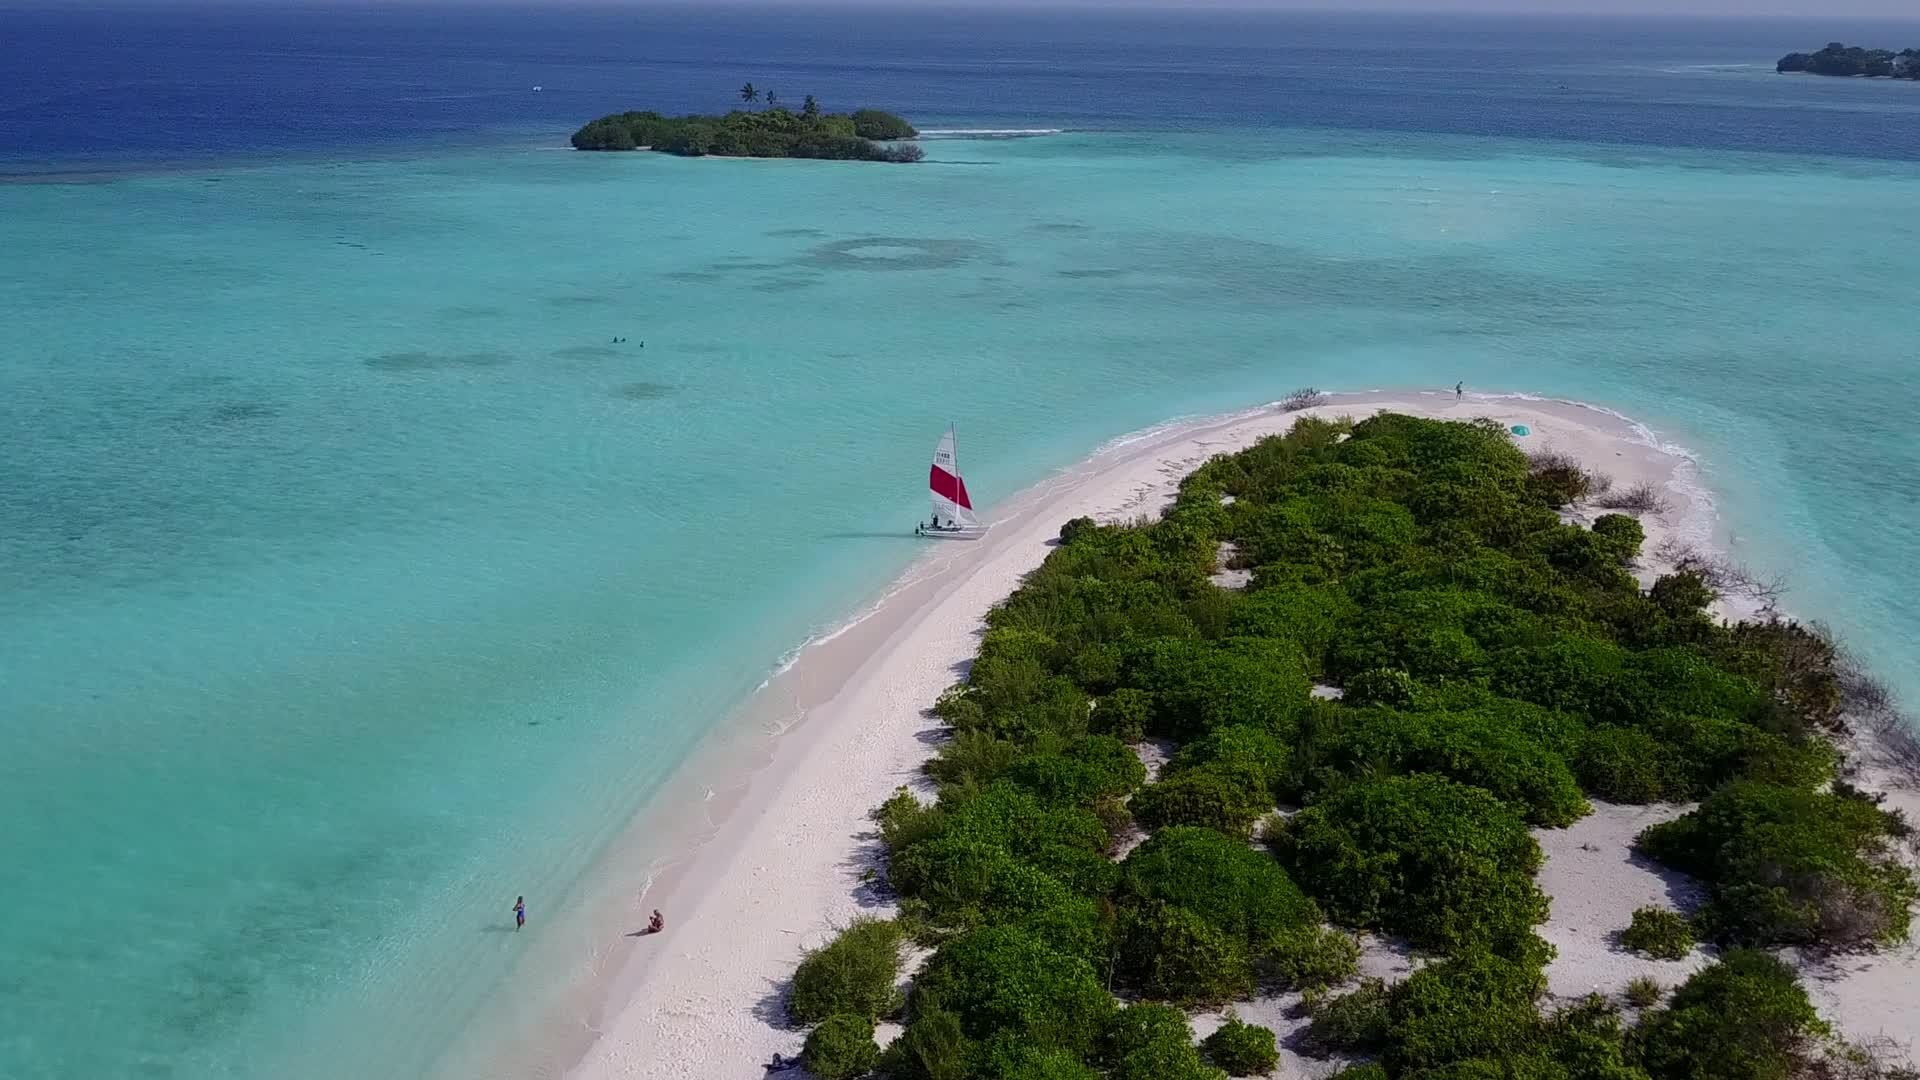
(520, 913)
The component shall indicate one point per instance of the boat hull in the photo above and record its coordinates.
(953, 534)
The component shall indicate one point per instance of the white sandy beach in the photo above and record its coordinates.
(784, 868)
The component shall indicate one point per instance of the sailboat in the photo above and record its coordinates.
(953, 517)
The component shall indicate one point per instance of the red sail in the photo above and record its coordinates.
(950, 487)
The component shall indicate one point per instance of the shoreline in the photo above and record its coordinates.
(776, 859)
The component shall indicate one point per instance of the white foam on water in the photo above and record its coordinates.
(990, 133)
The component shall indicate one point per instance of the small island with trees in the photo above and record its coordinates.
(770, 132)
(1839, 59)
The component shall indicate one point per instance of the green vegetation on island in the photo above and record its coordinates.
(1658, 932)
(770, 132)
(1500, 667)
(1839, 59)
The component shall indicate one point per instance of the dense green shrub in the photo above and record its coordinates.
(1429, 633)
(1199, 686)
(1308, 615)
(1252, 754)
(954, 878)
(1002, 980)
(1240, 890)
(1077, 926)
(1472, 748)
(973, 758)
(1006, 815)
(1447, 865)
(1096, 668)
(905, 820)
(841, 1048)
(1173, 954)
(1205, 797)
(1557, 480)
(1139, 1025)
(1090, 769)
(1555, 730)
(1577, 674)
(1241, 1049)
(1389, 687)
(1787, 866)
(1355, 1022)
(1011, 1059)
(1659, 932)
(1076, 528)
(1629, 766)
(1587, 558)
(876, 124)
(855, 974)
(1165, 1061)
(1584, 1041)
(1310, 956)
(1123, 714)
(933, 1046)
(1150, 1042)
(1622, 535)
(1473, 1005)
(1744, 1018)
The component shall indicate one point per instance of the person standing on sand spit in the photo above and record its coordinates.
(1458, 391)
(519, 913)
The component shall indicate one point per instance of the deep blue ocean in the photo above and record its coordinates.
(168, 82)
(354, 579)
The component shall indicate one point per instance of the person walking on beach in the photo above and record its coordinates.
(1459, 391)
(519, 913)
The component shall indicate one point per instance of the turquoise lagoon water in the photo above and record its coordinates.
(354, 582)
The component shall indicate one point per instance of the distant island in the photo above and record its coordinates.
(1838, 59)
(770, 132)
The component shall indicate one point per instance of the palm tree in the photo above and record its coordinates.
(811, 109)
(748, 94)
(772, 102)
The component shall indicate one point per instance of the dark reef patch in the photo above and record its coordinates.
(585, 352)
(1093, 272)
(1062, 227)
(795, 232)
(791, 283)
(642, 391)
(426, 361)
(203, 381)
(242, 412)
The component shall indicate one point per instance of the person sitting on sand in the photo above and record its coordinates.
(657, 923)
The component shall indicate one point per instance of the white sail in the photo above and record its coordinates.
(952, 508)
